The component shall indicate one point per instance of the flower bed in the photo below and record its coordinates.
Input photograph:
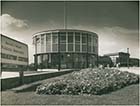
(89, 81)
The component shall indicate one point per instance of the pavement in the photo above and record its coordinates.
(6, 74)
(32, 85)
(135, 70)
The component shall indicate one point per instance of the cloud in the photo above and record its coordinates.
(10, 23)
(115, 39)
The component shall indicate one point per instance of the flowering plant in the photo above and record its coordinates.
(87, 81)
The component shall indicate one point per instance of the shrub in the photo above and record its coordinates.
(87, 81)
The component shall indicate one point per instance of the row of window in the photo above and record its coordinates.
(67, 43)
(66, 47)
(67, 60)
(46, 38)
(12, 67)
(13, 57)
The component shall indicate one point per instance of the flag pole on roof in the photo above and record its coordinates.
(65, 14)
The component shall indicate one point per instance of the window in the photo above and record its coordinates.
(55, 47)
(45, 58)
(62, 47)
(23, 59)
(62, 37)
(84, 38)
(93, 49)
(39, 59)
(84, 48)
(89, 39)
(77, 37)
(42, 39)
(55, 37)
(89, 48)
(77, 47)
(8, 56)
(48, 38)
(70, 37)
(70, 47)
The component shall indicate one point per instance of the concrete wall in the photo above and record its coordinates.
(15, 81)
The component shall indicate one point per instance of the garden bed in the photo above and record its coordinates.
(89, 81)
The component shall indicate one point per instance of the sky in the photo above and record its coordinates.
(115, 22)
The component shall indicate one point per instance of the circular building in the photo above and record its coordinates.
(65, 49)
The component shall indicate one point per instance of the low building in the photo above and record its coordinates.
(120, 58)
(105, 61)
(65, 49)
(134, 62)
(14, 54)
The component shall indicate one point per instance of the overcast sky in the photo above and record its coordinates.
(116, 23)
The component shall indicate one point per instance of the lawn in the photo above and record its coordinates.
(126, 96)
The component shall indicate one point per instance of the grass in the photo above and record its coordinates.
(125, 96)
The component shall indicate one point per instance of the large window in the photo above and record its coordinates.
(43, 43)
(54, 47)
(77, 37)
(77, 47)
(70, 37)
(48, 42)
(89, 43)
(39, 59)
(84, 42)
(63, 47)
(70, 47)
(84, 38)
(62, 41)
(48, 38)
(70, 41)
(42, 39)
(54, 41)
(55, 38)
(77, 42)
(62, 37)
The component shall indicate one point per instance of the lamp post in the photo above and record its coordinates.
(128, 58)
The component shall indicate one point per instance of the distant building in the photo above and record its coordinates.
(65, 49)
(14, 54)
(134, 62)
(105, 60)
(120, 58)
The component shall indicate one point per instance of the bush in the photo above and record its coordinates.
(87, 81)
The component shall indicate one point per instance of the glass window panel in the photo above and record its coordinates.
(89, 48)
(45, 57)
(39, 59)
(70, 37)
(55, 47)
(48, 48)
(84, 48)
(77, 37)
(62, 47)
(55, 38)
(89, 38)
(62, 37)
(93, 50)
(84, 38)
(96, 41)
(77, 47)
(48, 38)
(70, 47)
(42, 39)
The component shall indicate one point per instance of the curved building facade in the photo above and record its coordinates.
(65, 49)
